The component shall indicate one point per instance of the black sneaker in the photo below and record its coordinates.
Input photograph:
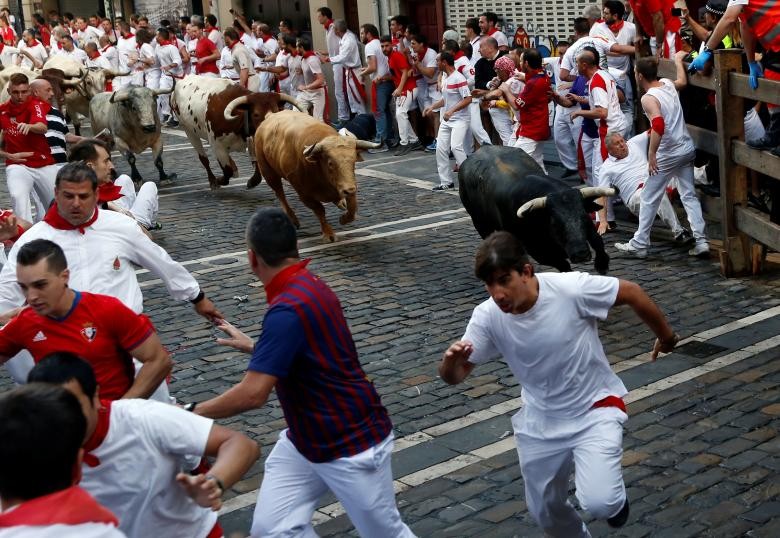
(392, 144)
(415, 145)
(683, 238)
(403, 149)
(569, 172)
(444, 187)
(381, 149)
(619, 519)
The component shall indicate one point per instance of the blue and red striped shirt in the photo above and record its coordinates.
(331, 408)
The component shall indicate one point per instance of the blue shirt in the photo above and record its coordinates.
(331, 408)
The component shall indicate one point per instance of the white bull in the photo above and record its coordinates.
(131, 116)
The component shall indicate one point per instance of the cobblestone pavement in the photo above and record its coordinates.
(701, 444)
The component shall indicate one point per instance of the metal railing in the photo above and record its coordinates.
(746, 231)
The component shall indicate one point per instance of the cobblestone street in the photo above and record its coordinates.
(702, 451)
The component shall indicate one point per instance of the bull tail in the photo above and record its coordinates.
(287, 99)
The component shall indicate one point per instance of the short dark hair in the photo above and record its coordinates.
(86, 150)
(647, 66)
(289, 40)
(231, 32)
(211, 19)
(490, 17)
(473, 23)
(76, 172)
(144, 35)
(43, 428)
(616, 7)
(326, 11)
(271, 235)
(420, 38)
(371, 29)
(451, 46)
(400, 20)
(594, 52)
(164, 32)
(287, 23)
(185, 18)
(304, 42)
(467, 49)
(42, 249)
(533, 58)
(387, 38)
(413, 28)
(581, 25)
(500, 251)
(447, 58)
(62, 367)
(38, 18)
(18, 79)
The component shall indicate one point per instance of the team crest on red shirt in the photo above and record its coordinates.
(89, 332)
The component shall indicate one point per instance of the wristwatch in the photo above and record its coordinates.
(199, 297)
(190, 407)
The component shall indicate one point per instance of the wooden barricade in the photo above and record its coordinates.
(746, 232)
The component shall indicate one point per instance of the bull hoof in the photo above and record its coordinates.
(329, 238)
(346, 218)
(601, 264)
(224, 181)
(254, 181)
(169, 177)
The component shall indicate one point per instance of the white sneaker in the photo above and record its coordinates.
(630, 249)
(702, 250)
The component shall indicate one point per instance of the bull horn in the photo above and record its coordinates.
(238, 101)
(118, 96)
(287, 99)
(597, 192)
(74, 81)
(110, 73)
(365, 144)
(162, 92)
(310, 151)
(536, 203)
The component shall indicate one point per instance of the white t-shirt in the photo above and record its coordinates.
(455, 88)
(76, 54)
(146, 52)
(600, 43)
(38, 52)
(629, 172)
(349, 52)
(139, 459)
(465, 68)
(99, 61)
(429, 60)
(738, 3)
(625, 36)
(500, 38)
(295, 68)
(312, 66)
(216, 38)
(269, 47)
(374, 48)
(602, 93)
(332, 40)
(225, 64)
(111, 54)
(676, 141)
(127, 51)
(169, 55)
(475, 54)
(553, 349)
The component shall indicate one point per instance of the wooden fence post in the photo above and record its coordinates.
(735, 259)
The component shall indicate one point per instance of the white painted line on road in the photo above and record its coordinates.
(504, 445)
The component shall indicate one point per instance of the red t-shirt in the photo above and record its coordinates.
(98, 328)
(532, 104)
(203, 48)
(644, 9)
(398, 63)
(31, 111)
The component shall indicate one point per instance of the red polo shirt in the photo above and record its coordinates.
(31, 111)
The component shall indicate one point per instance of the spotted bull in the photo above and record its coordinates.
(314, 159)
(131, 116)
(225, 115)
(502, 188)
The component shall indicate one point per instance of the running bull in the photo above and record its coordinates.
(225, 115)
(502, 188)
(317, 161)
(131, 117)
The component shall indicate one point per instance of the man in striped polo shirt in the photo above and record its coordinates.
(339, 436)
(57, 134)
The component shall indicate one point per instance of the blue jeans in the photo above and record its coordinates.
(383, 114)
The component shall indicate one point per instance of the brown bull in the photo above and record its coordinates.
(315, 159)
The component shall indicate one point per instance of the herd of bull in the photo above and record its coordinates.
(500, 187)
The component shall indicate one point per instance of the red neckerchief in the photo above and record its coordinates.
(2, 46)
(230, 47)
(265, 38)
(108, 192)
(420, 57)
(616, 26)
(459, 54)
(327, 24)
(308, 54)
(598, 21)
(71, 506)
(95, 56)
(164, 42)
(32, 43)
(99, 435)
(55, 220)
(107, 47)
(274, 288)
(138, 44)
(492, 31)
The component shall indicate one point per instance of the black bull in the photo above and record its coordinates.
(555, 227)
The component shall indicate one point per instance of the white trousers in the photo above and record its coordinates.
(164, 101)
(338, 88)
(665, 210)
(451, 137)
(143, 204)
(403, 105)
(253, 82)
(475, 125)
(266, 81)
(22, 181)
(532, 148)
(599, 150)
(502, 123)
(567, 134)
(313, 100)
(548, 448)
(352, 91)
(655, 189)
(586, 146)
(292, 486)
